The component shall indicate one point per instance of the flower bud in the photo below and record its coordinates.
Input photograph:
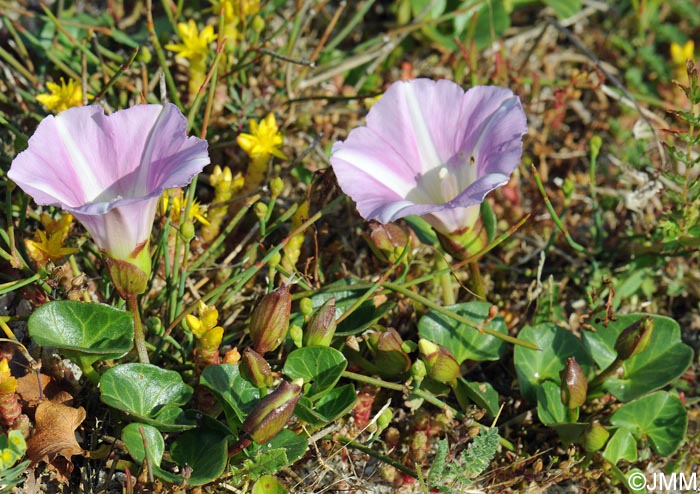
(306, 306)
(389, 355)
(418, 370)
(594, 437)
(269, 416)
(270, 320)
(276, 187)
(255, 368)
(297, 335)
(441, 364)
(574, 385)
(635, 338)
(387, 241)
(321, 326)
(187, 230)
(260, 210)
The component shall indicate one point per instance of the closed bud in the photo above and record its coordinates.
(442, 365)
(187, 230)
(387, 241)
(574, 385)
(389, 356)
(297, 335)
(260, 210)
(594, 437)
(269, 416)
(418, 370)
(270, 320)
(255, 368)
(276, 187)
(306, 306)
(321, 326)
(635, 338)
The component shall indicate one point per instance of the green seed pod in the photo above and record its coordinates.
(321, 326)
(574, 385)
(297, 335)
(187, 231)
(390, 358)
(276, 187)
(255, 368)
(269, 416)
(306, 306)
(387, 241)
(270, 320)
(635, 338)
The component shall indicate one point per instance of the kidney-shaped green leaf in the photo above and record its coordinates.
(665, 359)
(204, 451)
(660, 416)
(149, 393)
(138, 444)
(96, 330)
(536, 366)
(322, 366)
(463, 341)
(236, 394)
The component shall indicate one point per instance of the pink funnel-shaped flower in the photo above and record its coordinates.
(109, 171)
(432, 150)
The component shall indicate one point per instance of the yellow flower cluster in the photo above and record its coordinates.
(175, 199)
(8, 383)
(264, 139)
(48, 243)
(225, 186)
(235, 13)
(61, 96)
(195, 44)
(205, 327)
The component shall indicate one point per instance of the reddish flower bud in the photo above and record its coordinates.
(390, 357)
(387, 241)
(255, 368)
(442, 365)
(635, 338)
(271, 414)
(574, 385)
(270, 320)
(321, 326)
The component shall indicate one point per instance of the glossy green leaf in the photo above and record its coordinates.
(322, 366)
(346, 296)
(556, 344)
(621, 446)
(294, 444)
(564, 8)
(236, 394)
(91, 331)
(665, 359)
(660, 417)
(267, 484)
(149, 393)
(481, 394)
(550, 408)
(151, 442)
(465, 342)
(204, 451)
(331, 406)
(267, 459)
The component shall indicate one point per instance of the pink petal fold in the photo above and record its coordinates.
(109, 171)
(430, 149)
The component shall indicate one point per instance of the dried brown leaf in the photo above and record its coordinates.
(54, 433)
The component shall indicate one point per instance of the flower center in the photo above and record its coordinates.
(448, 184)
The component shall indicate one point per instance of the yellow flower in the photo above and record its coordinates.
(8, 384)
(679, 56)
(195, 44)
(48, 245)
(264, 138)
(235, 9)
(61, 96)
(204, 327)
(178, 207)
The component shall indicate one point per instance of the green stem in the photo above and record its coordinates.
(346, 441)
(445, 277)
(603, 376)
(426, 395)
(139, 337)
(432, 305)
(476, 282)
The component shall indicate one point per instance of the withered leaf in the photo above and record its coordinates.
(54, 433)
